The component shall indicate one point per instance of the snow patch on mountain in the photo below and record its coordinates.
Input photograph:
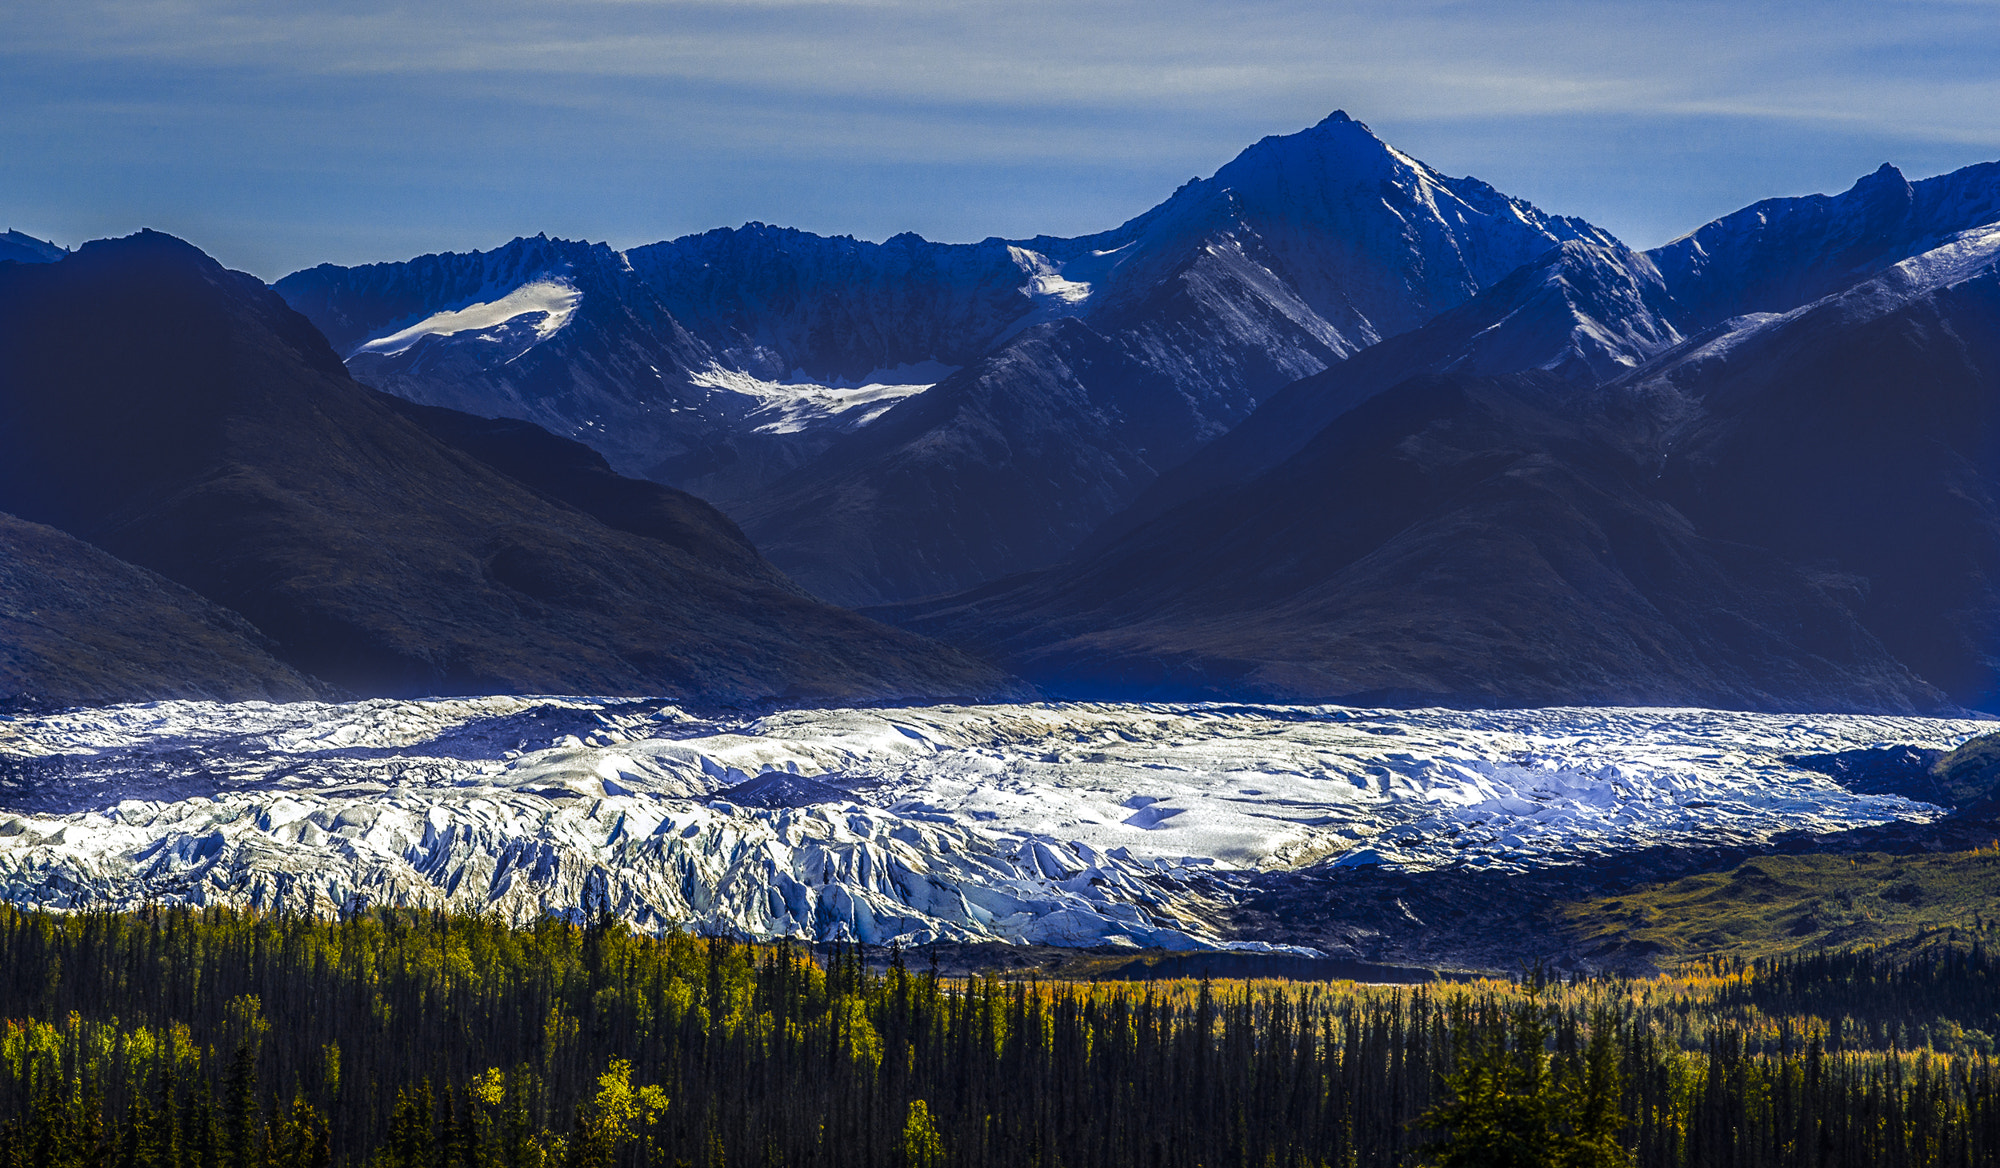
(799, 403)
(1063, 824)
(554, 301)
(1969, 254)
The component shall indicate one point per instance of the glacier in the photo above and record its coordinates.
(1063, 824)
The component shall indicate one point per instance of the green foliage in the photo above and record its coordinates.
(1508, 1107)
(613, 1119)
(922, 1146)
(411, 1040)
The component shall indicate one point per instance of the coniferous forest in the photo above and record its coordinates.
(172, 1038)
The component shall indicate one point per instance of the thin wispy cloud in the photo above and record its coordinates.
(645, 118)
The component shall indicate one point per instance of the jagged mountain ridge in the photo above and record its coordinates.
(1582, 313)
(1198, 321)
(184, 419)
(1133, 348)
(1777, 254)
(1299, 252)
(1859, 436)
(1592, 314)
(1796, 510)
(26, 249)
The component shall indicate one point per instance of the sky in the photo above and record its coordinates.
(277, 134)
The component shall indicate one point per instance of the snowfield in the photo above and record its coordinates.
(1055, 824)
(552, 301)
(799, 404)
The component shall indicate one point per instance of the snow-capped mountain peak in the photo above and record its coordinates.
(1611, 301)
(1778, 254)
(732, 362)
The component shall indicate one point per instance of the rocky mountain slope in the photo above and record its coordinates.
(1737, 521)
(182, 418)
(1777, 254)
(1452, 541)
(78, 626)
(762, 368)
(1582, 313)
(1859, 437)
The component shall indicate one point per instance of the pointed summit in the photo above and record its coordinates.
(1339, 118)
(1376, 241)
(1884, 182)
(1778, 254)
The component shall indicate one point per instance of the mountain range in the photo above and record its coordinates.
(1548, 495)
(772, 371)
(299, 532)
(1325, 426)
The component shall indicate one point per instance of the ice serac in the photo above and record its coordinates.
(1778, 254)
(184, 419)
(1054, 824)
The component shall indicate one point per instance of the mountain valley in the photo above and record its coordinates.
(1487, 589)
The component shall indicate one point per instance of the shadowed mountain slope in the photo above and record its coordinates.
(1300, 252)
(181, 417)
(1794, 512)
(81, 627)
(1451, 541)
(1583, 312)
(1859, 437)
(26, 249)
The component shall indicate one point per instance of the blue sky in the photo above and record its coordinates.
(278, 134)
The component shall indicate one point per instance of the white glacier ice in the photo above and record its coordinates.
(554, 301)
(1052, 823)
